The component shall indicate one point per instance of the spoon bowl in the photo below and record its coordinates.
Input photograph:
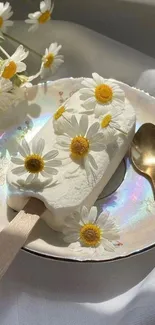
(143, 152)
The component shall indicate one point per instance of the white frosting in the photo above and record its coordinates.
(70, 193)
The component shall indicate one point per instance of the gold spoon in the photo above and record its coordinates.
(143, 152)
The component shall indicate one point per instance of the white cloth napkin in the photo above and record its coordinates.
(37, 291)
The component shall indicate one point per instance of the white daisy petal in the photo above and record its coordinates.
(8, 23)
(68, 129)
(30, 178)
(71, 238)
(101, 109)
(102, 219)
(19, 170)
(98, 146)
(100, 251)
(33, 28)
(21, 67)
(88, 82)
(54, 163)
(76, 246)
(55, 52)
(30, 21)
(112, 235)
(92, 215)
(87, 91)
(83, 125)
(69, 229)
(108, 245)
(50, 155)
(46, 175)
(63, 140)
(34, 15)
(87, 166)
(52, 47)
(50, 171)
(98, 137)
(17, 161)
(84, 214)
(35, 178)
(26, 147)
(75, 125)
(89, 101)
(92, 161)
(22, 151)
(93, 130)
(20, 54)
(39, 146)
(43, 6)
(98, 79)
(71, 222)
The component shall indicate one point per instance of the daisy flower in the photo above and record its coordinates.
(5, 13)
(51, 61)
(33, 162)
(6, 96)
(14, 63)
(101, 94)
(40, 17)
(111, 123)
(80, 141)
(88, 230)
(60, 116)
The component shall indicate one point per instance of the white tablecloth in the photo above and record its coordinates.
(37, 291)
(44, 292)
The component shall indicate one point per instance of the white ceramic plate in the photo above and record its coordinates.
(128, 198)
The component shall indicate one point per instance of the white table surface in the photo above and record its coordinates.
(37, 291)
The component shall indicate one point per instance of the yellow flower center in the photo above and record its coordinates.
(90, 235)
(48, 60)
(9, 70)
(103, 93)
(59, 112)
(44, 17)
(34, 163)
(79, 147)
(1, 22)
(106, 121)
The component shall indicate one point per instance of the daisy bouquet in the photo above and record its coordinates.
(14, 79)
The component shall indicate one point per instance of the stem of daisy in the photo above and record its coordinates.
(121, 131)
(66, 119)
(27, 47)
(4, 52)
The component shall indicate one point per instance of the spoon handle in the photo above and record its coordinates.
(13, 237)
(153, 185)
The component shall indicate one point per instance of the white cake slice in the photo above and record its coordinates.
(72, 187)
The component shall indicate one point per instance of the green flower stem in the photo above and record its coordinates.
(27, 47)
(4, 52)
